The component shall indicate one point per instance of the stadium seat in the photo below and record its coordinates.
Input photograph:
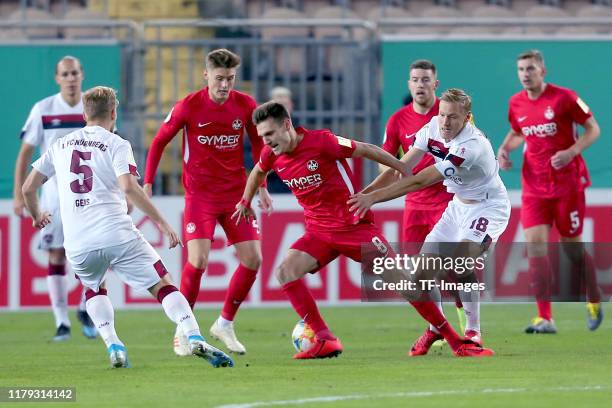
(486, 11)
(440, 12)
(84, 14)
(29, 14)
(590, 11)
(379, 12)
(60, 7)
(335, 55)
(288, 60)
(7, 7)
(543, 11)
(336, 32)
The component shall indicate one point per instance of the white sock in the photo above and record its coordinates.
(223, 323)
(471, 308)
(436, 297)
(58, 294)
(177, 309)
(100, 309)
(82, 303)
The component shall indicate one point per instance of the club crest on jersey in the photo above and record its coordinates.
(56, 122)
(237, 124)
(549, 113)
(190, 228)
(312, 165)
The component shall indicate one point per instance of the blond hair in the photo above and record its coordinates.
(459, 96)
(536, 55)
(99, 102)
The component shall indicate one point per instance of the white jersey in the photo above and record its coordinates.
(467, 162)
(50, 119)
(87, 164)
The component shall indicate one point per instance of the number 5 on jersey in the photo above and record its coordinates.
(77, 168)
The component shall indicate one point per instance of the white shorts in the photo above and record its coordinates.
(52, 235)
(135, 262)
(482, 222)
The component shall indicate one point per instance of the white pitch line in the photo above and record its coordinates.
(409, 394)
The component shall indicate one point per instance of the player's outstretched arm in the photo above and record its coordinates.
(167, 131)
(512, 141)
(591, 133)
(243, 208)
(21, 166)
(134, 193)
(385, 179)
(30, 198)
(375, 153)
(360, 203)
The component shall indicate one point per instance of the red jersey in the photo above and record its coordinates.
(317, 173)
(213, 145)
(548, 125)
(401, 129)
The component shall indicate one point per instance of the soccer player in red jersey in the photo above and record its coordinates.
(554, 177)
(423, 207)
(312, 163)
(215, 121)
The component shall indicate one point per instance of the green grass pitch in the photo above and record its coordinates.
(570, 369)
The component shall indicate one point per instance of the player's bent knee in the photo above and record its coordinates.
(198, 261)
(286, 273)
(252, 262)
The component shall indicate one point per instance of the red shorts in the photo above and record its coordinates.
(327, 246)
(199, 222)
(417, 224)
(567, 213)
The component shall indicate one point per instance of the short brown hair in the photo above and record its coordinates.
(270, 110)
(99, 102)
(68, 58)
(532, 54)
(222, 58)
(459, 96)
(423, 64)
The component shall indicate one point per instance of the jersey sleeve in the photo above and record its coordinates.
(391, 140)
(32, 131)
(578, 109)
(460, 156)
(337, 147)
(512, 119)
(421, 138)
(251, 130)
(168, 129)
(45, 164)
(123, 160)
(266, 159)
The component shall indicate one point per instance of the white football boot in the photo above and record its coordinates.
(181, 344)
(227, 336)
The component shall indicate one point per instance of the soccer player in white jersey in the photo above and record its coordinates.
(95, 172)
(50, 119)
(479, 211)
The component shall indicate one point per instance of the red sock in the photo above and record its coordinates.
(304, 304)
(430, 312)
(544, 309)
(540, 278)
(190, 283)
(239, 286)
(589, 275)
